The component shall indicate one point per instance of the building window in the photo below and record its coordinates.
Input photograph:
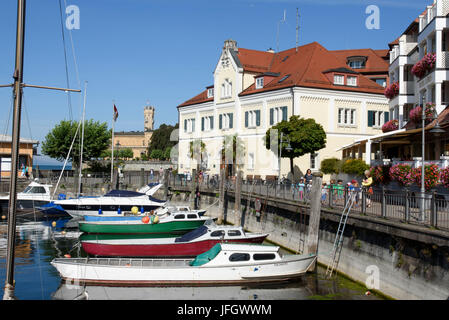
(226, 89)
(189, 125)
(207, 123)
(210, 92)
(277, 115)
(259, 83)
(339, 79)
(380, 81)
(346, 116)
(357, 64)
(225, 121)
(250, 161)
(252, 119)
(376, 119)
(352, 81)
(314, 161)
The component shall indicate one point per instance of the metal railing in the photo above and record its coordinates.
(407, 206)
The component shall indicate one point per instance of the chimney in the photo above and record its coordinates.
(230, 44)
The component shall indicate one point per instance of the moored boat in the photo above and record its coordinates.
(113, 203)
(223, 264)
(190, 244)
(176, 224)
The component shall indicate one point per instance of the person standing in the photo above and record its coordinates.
(366, 184)
(197, 198)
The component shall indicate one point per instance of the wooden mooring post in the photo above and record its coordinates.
(221, 196)
(311, 246)
(238, 198)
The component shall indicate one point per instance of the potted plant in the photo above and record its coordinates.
(390, 126)
(402, 173)
(392, 90)
(424, 65)
(431, 176)
(444, 177)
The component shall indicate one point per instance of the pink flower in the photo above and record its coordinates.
(390, 126)
(392, 90)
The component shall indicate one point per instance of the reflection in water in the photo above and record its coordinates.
(39, 242)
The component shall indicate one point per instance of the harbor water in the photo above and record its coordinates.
(38, 242)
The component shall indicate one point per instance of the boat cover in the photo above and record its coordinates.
(156, 200)
(198, 232)
(206, 256)
(123, 193)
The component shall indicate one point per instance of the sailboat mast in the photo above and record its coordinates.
(18, 80)
(82, 140)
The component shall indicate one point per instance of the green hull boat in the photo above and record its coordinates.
(167, 228)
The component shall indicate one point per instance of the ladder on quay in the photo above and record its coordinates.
(338, 243)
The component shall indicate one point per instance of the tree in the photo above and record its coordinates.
(305, 136)
(157, 154)
(97, 139)
(232, 143)
(160, 139)
(126, 153)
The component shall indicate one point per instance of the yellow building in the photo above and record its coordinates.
(26, 152)
(137, 141)
(253, 90)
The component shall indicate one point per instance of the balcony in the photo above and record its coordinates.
(439, 9)
(443, 59)
(394, 53)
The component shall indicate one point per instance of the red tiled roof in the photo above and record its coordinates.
(202, 97)
(374, 63)
(305, 68)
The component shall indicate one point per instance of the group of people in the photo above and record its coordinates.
(24, 171)
(353, 187)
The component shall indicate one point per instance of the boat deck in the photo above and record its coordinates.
(126, 262)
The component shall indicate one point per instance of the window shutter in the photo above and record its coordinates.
(257, 118)
(246, 119)
(370, 118)
(193, 125)
(212, 122)
(220, 121)
(231, 116)
(284, 113)
(202, 124)
(271, 116)
(185, 125)
(386, 116)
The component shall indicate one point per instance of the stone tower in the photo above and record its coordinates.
(148, 115)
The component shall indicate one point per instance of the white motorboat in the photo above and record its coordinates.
(113, 203)
(35, 195)
(223, 264)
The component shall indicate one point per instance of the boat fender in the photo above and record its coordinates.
(67, 255)
(146, 219)
(119, 211)
(155, 219)
(141, 209)
(134, 210)
(100, 211)
(53, 224)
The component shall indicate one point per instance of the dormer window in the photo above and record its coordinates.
(339, 79)
(357, 62)
(210, 92)
(259, 83)
(351, 81)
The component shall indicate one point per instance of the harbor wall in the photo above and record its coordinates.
(409, 262)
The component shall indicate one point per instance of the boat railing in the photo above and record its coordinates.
(133, 262)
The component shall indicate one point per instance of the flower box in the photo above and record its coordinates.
(392, 90)
(390, 126)
(416, 113)
(424, 65)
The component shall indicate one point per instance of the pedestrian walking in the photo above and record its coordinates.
(367, 188)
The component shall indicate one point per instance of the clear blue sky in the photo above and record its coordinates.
(165, 51)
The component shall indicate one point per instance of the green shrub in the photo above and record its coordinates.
(331, 165)
(354, 166)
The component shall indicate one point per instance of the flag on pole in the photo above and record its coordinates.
(115, 113)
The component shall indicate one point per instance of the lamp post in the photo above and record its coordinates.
(436, 130)
(287, 148)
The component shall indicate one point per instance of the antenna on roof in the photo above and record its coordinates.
(277, 35)
(297, 28)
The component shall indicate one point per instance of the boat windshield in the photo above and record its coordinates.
(123, 193)
(206, 256)
(198, 232)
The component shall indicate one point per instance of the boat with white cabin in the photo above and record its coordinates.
(223, 264)
(33, 196)
(115, 202)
